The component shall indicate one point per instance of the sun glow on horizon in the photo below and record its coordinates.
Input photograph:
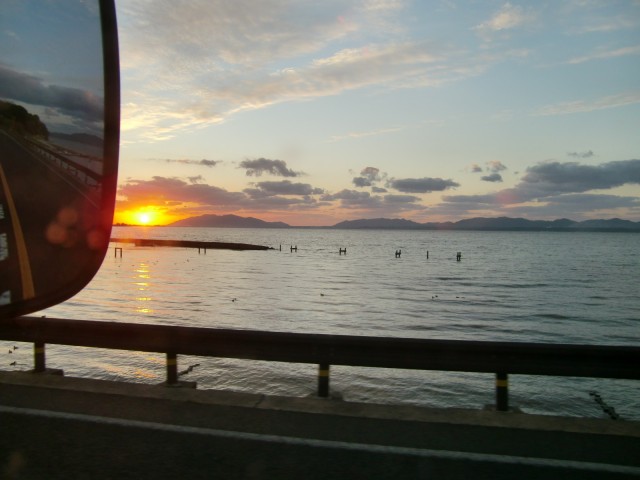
(147, 216)
(144, 218)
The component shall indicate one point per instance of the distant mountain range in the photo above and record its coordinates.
(479, 223)
(226, 221)
(84, 138)
(497, 224)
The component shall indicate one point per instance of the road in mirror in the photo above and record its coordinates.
(51, 146)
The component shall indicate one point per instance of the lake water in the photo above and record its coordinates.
(516, 286)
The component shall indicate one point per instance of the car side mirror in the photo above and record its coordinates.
(59, 139)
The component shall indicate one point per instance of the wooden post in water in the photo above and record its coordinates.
(459, 256)
(342, 250)
(398, 253)
(115, 252)
(427, 254)
(294, 249)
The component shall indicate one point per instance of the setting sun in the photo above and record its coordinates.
(144, 218)
(141, 216)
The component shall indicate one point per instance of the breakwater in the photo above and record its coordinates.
(146, 242)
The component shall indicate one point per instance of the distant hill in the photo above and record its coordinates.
(394, 223)
(84, 138)
(226, 221)
(17, 119)
(496, 224)
(478, 223)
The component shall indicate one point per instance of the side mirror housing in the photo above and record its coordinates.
(59, 141)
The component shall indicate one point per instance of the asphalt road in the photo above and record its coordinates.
(54, 215)
(73, 428)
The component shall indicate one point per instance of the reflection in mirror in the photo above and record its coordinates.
(53, 150)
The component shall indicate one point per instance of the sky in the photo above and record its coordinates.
(51, 69)
(313, 113)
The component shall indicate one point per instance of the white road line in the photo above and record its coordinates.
(332, 444)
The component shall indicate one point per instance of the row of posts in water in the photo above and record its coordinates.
(343, 251)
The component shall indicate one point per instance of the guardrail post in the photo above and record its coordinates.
(323, 380)
(172, 369)
(39, 361)
(502, 392)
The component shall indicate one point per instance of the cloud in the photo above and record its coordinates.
(587, 154)
(368, 177)
(583, 106)
(364, 201)
(372, 173)
(189, 68)
(579, 206)
(494, 177)
(354, 198)
(401, 199)
(421, 185)
(507, 18)
(214, 59)
(594, 20)
(203, 162)
(286, 187)
(175, 194)
(191, 196)
(550, 179)
(495, 166)
(164, 190)
(215, 32)
(575, 177)
(371, 133)
(361, 182)
(606, 54)
(383, 6)
(73, 102)
(347, 69)
(262, 165)
(378, 190)
(589, 202)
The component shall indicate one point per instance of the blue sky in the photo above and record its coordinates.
(316, 112)
(51, 62)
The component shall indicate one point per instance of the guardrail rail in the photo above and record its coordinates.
(500, 358)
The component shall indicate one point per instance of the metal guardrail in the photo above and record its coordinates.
(88, 176)
(500, 358)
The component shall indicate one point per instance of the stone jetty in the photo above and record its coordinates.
(144, 242)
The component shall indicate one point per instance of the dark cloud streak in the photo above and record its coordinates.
(203, 162)
(422, 185)
(264, 165)
(30, 89)
(560, 187)
(369, 176)
(587, 154)
(494, 177)
(286, 187)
